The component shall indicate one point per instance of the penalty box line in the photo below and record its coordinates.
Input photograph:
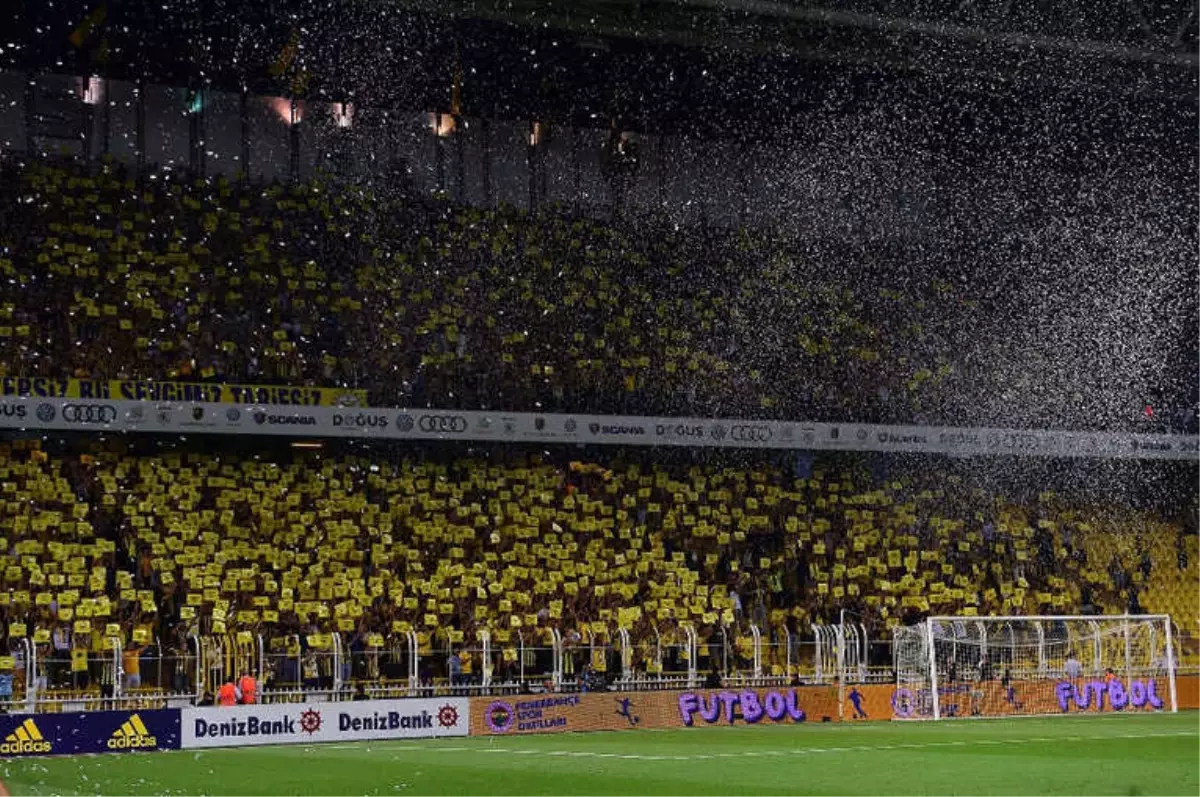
(797, 751)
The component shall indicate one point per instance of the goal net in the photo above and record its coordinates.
(1028, 666)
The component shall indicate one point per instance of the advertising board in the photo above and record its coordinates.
(88, 732)
(305, 723)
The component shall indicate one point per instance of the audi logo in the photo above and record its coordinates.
(450, 424)
(89, 413)
(750, 434)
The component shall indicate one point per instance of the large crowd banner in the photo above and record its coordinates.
(195, 392)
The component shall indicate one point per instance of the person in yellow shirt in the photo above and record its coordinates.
(131, 663)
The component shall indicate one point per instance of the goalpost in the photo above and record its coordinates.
(1029, 666)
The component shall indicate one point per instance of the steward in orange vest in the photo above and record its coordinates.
(249, 688)
(227, 695)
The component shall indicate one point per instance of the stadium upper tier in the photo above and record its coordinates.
(427, 304)
(291, 542)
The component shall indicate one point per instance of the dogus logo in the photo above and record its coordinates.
(678, 430)
(24, 740)
(360, 420)
(12, 410)
(131, 735)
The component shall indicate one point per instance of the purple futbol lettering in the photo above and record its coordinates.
(1137, 694)
(776, 706)
(712, 712)
(687, 707)
(1098, 690)
(729, 700)
(1063, 692)
(1117, 697)
(1151, 697)
(1083, 699)
(793, 707)
(752, 710)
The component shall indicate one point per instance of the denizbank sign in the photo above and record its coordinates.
(310, 723)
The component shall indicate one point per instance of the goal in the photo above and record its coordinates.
(1030, 666)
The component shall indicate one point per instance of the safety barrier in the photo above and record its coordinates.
(342, 667)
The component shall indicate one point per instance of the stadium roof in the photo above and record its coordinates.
(655, 64)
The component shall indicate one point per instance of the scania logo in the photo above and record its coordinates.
(888, 437)
(750, 434)
(444, 424)
(360, 420)
(600, 428)
(89, 413)
(861, 434)
(45, 413)
(678, 430)
(284, 420)
(233, 415)
(12, 410)
(719, 432)
(404, 422)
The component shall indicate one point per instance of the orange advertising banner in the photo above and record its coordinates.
(617, 711)
(614, 711)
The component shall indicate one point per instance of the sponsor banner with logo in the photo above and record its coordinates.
(297, 420)
(616, 711)
(90, 732)
(190, 392)
(306, 723)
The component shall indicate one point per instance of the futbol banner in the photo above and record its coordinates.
(88, 732)
(618, 711)
(192, 392)
(297, 419)
(308, 723)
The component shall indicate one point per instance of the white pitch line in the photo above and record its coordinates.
(760, 753)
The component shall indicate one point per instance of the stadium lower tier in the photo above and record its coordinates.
(641, 563)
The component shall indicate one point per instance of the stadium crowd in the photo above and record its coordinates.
(165, 541)
(428, 304)
(116, 275)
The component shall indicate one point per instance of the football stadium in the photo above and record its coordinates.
(599, 397)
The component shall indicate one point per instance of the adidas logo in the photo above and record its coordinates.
(25, 739)
(131, 734)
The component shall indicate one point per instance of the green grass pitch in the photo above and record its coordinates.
(1121, 755)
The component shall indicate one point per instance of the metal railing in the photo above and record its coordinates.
(334, 667)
